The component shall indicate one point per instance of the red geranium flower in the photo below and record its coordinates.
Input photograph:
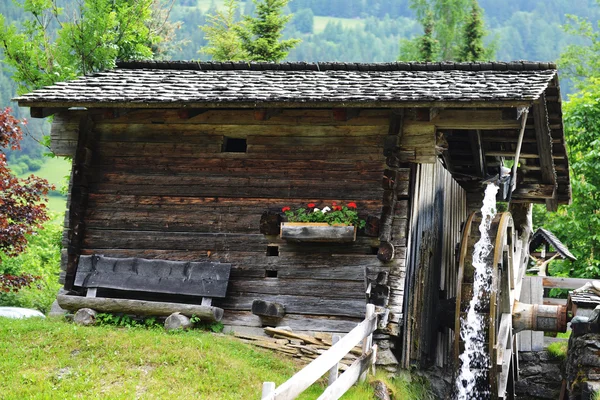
(334, 203)
(284, 209)
(337, 208)
(311, 205)
(352, 205)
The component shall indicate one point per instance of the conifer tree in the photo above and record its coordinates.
(472, 48)
(220, 31)
(428, 45)
(260, 35)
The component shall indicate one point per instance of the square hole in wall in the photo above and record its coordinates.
(273, 251)
(234, 145)
(270, 273)
(374, 250)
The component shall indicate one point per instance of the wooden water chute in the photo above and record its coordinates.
(193, 162)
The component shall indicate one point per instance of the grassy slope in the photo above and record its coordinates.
(49, 358)
(56, 171)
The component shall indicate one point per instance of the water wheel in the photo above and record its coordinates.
(496, 374)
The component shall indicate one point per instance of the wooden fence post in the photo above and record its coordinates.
(333, 372)
(368, 340)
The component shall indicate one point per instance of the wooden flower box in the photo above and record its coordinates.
(317, 232)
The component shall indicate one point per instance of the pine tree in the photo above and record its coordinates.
(260, 35)
(428, 45)
(472, 48)
(220, 31)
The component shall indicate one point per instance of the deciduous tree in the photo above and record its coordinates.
(22, 201)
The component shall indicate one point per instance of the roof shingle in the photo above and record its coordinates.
(191, 82)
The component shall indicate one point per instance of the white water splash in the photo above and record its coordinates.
(474, 359)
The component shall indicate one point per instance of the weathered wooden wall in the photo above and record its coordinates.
(158, 185)
(438, 212)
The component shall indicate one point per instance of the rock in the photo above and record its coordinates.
(56, 310)
(382, 392)
(540, 376)
(177, 321)
(386, 357)
(85, 317)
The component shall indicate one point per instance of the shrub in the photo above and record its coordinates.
(40, 260)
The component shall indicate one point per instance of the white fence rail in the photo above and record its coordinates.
(328, 362)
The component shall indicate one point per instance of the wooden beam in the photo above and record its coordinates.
(188, 113)
(43, 112)
(534, 190)
(283, 104)
(474, 119)
(478, 154)
(345, 114)
(265, 114)
(138, 307)
(544, 144)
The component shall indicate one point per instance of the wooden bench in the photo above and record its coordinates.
(207, 280)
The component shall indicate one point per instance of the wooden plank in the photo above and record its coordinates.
(348, 378)
(544, 143)
(564, 283)
(474, 119)
(297, 322)
(313, 371)
(308, 304)
(525, 336)
(312, 232)
(138, 307)
(537, 297)
(550, 301)
(533, 190)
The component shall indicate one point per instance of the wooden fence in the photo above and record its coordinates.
(532, 292)
(328, 362)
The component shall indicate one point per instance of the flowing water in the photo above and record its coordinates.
(474, 359)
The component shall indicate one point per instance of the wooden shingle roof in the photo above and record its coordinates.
(542, 236)
(153, 83)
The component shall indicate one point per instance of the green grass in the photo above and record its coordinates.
(558, 349)
(43, 359)
(321, 22)
(55, 171)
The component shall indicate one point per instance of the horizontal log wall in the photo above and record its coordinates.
(161, 187)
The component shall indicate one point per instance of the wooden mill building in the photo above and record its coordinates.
(193, 161)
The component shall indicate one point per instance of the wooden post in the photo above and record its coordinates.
(333, 372)
(367, 343)
(268, 391)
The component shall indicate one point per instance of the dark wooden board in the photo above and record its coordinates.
(207, 279)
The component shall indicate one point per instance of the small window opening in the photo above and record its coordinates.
(273, 251)
(374, 250)
(270, 273)
(234, 145)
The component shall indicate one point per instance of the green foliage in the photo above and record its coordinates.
(581, 61)
(558, 349)
(452, 30)
(472, 48)
(126, 321)
(304, 20)
(261, 35)
(41, 258)
(223, 42)
(215, 327)
(578, 224)
(334, 215)
(56, 44)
